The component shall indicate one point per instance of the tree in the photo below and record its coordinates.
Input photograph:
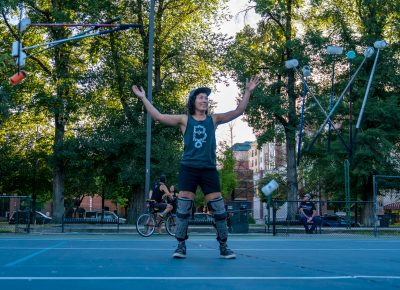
(82, 91)
(355, 25)
(272, 111)
(227, 175)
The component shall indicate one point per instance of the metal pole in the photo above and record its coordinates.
(336, 105)
(79, 34)
(350, 119)
(301, 123)
(149, 97)
(274, 206)
(331, 102)
(367, 91)
(125, 25)
(269, 211)
(322, 110)
(374, 206)
(60, 41)
(347, 191)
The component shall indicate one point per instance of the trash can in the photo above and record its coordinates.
(384, 221)
(239, 212)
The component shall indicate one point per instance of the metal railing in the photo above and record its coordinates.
(15, 214)
(336, 219)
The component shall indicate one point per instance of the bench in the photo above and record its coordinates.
(72, 220)
(287, 223)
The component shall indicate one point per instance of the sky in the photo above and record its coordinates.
(225, 96)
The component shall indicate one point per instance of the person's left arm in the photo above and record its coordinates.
(164, 189)
(229, 116)
(314, 211)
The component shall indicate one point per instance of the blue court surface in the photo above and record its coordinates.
(98, 262)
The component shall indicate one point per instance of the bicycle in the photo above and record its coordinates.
(147, 222)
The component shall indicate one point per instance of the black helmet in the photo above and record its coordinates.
(163, 178)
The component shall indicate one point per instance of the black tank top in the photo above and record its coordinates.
(199, 143)
(157, 193)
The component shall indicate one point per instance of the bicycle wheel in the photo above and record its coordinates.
(145, 224)
(170, 225)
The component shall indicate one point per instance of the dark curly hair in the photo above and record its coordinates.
(192, 98)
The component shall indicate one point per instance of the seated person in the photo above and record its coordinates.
(308, 214)
(160, 195)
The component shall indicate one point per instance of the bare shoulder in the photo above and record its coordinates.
(218, 118)
(183, 119)
(172, 120)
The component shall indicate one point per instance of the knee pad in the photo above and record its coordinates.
(217, 206)
(184, 208)
(183, 212)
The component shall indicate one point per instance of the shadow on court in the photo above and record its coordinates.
(130, 262)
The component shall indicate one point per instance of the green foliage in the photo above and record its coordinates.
(227, 174)
(82, 93)
(304, 36)
(376, 143)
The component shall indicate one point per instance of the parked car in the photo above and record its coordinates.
(108, 216)
(337, 221)
(21, 217)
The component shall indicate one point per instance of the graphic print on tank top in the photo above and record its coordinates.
(199, 136)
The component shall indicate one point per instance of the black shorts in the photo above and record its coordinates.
(160, 205)
(206, 178)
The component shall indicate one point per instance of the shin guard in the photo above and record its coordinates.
(217, 206)
(183, 212)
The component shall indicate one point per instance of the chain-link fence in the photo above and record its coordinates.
(15, 214)
(336, 218)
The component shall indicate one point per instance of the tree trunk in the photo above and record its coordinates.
(62, 81)
(136, 203)
(367, 212)
(58, 173)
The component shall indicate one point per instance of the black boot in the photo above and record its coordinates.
(225, 252)
(180, 252)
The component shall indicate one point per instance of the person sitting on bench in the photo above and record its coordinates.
(308, 214)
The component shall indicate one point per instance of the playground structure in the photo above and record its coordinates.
(20, 53)
(368, 53)
(334, 51)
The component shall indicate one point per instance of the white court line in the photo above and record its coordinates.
(43, 250)
(196, 249)
(205, 278)
(267, 239)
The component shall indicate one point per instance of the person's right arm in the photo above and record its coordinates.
(170, 120)
(301, 210)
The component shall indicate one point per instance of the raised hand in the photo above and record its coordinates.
(252, 84)
(139, 92)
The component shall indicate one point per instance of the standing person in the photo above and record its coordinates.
(198, 163)
(308, 214)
